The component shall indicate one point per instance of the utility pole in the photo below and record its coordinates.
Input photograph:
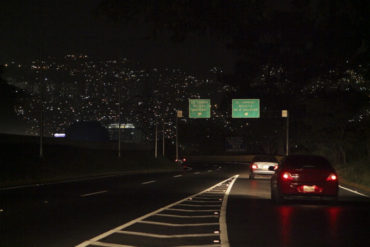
(42, 130)
(156, 142)
(285, 114)
(119, 121)
(42, 79)
(42, 87)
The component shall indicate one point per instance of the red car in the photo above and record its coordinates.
(304, 176)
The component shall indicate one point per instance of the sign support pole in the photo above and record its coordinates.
(285, 114)
(178, 115)
(287, 135)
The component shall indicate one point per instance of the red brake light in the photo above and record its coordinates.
(184, 159)
(331, 177)
(276, 167)
(254, 166)
(287, 176)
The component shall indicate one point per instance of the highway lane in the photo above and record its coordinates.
(71, 213)
(253, 220)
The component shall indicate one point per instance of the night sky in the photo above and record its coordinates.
(31, 29)
(267, 49)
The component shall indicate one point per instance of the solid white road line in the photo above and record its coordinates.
(200, 205)
(196, 173)
(217, 192)
(152, 235)
(173, 224)
(353, 191)
(189, 210)
(223, 226)
(149, 182)
(94, 193)
(206, 245)
(188, 216)
(177, 176)
(204, 201)
(96, 239)
(111, 245)
(208, 196)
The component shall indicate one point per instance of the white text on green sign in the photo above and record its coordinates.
(245, 108)
(199, 108)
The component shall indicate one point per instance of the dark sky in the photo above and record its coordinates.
(59, 27)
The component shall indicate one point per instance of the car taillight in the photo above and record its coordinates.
(276, 167)
(254, 166)
(331, 177)
(184, 159)
(286, 176)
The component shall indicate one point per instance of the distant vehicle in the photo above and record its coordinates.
(304, 176)
(260, 165)
(182, 162)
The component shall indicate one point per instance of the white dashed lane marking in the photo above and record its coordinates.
(94, 193)
(174, 224)
(187, 216)
(168, 236)
(149, 182)
(177, 176)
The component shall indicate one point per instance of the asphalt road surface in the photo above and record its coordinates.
(206, 206)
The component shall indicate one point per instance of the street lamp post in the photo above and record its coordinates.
(156, 142)
(285, 114)
(42, 129)
(119, 121)
(42, 116)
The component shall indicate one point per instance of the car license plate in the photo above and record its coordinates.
(266, 167)
(307, 188)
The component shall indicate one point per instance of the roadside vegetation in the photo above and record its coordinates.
(356, 173)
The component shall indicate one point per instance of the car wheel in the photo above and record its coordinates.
(251, 176)
(276, 196)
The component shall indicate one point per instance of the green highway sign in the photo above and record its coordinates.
(245, 108)
(199, 108)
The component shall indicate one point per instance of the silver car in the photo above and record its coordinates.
(260, 165)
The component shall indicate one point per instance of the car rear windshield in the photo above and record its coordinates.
(264, 159)
(306, 162)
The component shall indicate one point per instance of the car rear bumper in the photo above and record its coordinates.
(314, 189)
(262, 172)
(310, 197)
